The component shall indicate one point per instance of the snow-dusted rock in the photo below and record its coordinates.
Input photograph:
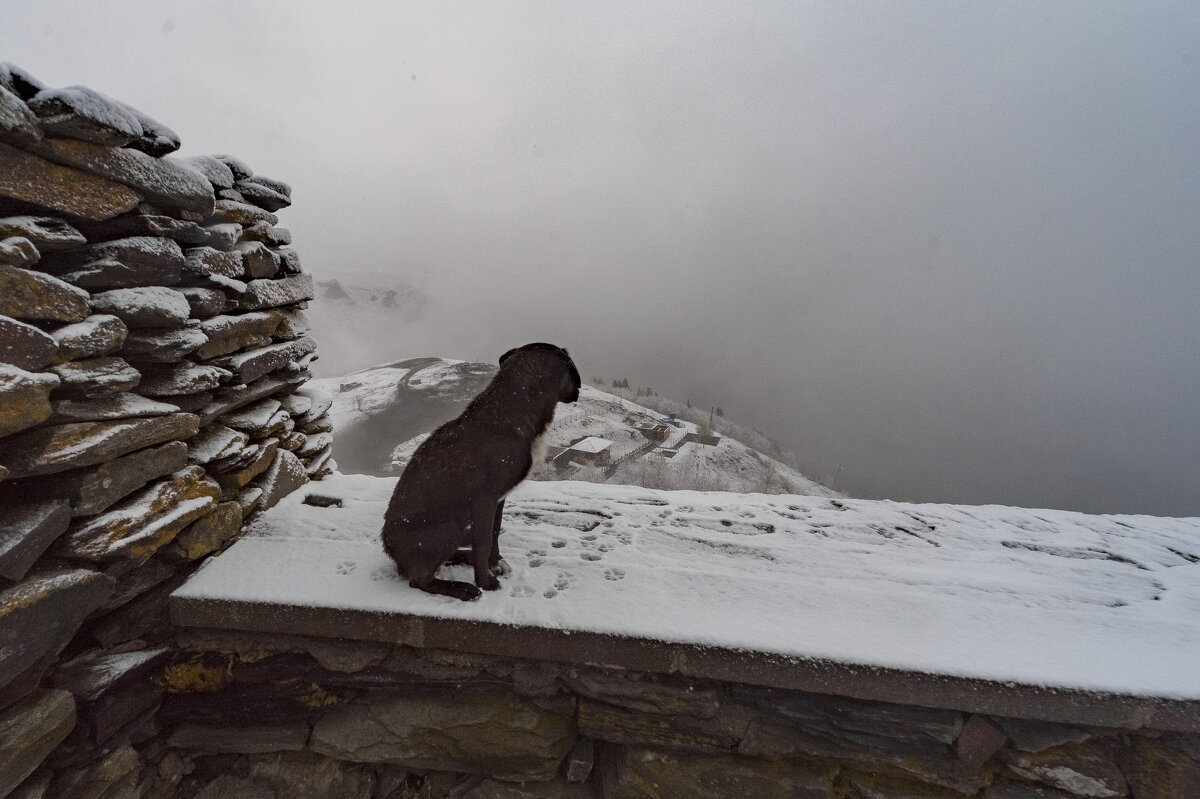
(222, 236)
(285, 475)
(204, 302)
(146, 306)
(157, 139)
(26, 177)
(32, 728)
(236, 166)
(19, 252)
(254, 419)
(164, 183)
(18, 81)
(268, 234)
(159, 260)
(293, 324)
(145, 224)
(255, 191)
(295, 404)
(94, 488)
(252, 462)
(217, 173)
(209, 533)
(48, 233)
(211, 261)
(242, 213)
(250, 365)
(230, 333)
(163, 346)
(105, 409)
(18, 124)
(275, 293)
(95, 377)
(136, 527)
(214, 442)
(98, 334)
(27, 527)
(258, 261)
(77, 112)
(24, 400)
(57, 448)
(34, 296)
(24, 345)
(183, 377)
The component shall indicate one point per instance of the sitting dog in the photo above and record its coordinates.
(451, 494)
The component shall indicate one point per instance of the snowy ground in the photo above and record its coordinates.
(1051, 598)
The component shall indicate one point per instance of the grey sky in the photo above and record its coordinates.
(954, 247)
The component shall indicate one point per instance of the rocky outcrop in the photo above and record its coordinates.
(145, 302)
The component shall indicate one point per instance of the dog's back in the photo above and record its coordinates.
(451, 493)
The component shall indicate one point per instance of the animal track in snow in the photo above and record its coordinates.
(522, 591)
(591, 556)
(614, 574)
(346, 567)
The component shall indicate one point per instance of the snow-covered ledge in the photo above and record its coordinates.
(1033, 614)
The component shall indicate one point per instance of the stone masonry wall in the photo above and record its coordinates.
(281, 716)
(153, 349)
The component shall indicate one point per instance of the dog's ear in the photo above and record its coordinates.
(505, 355)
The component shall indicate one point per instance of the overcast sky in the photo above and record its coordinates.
(952, 247)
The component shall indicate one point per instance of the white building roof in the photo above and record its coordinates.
(592, 444)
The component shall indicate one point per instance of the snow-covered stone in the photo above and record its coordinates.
(138, 526)
(285, 475)
(48, 233)
(24, 345)
(57, 448)
(34, 296)
(268, 234)
(18, 251)
(252, 364)
(258, 261)
(19, 81)
(95, 377)
(209, 533)
(222, 236)
(217, 173)
(18, 124)
(30, 179)
(214, 442)
(204, 302)
(98, 334)
(146, 306)
(236, 166)
(157, 139)
(114, 406)
(242, 213)
(255, 419)
(163, 346)
(24, 399)
(145, 224)
(94, 488)
(77, 112)
(259, 193)
(27, 528)
(211, 261)
(230, 333)
(183, 377)
(162, 182)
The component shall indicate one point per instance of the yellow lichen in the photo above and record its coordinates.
(196, 676)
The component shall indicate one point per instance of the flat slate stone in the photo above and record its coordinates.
(258, 193)
(19, 81)
(211, 261)
(18, 124)
(215, 172)
(242, 213)
(258, 260)
(95, 378)
(254, 419)
(215, 442)
(231, 398)
(119, 263)
(19, 252)
(157, 139)
(98, 334)
(40, 614)
(24, 399)
(268, 234)
(162, 182)
(184, 377)
(29, 295)
(114, 406)
(24, 345)
(29, 732)
(139, 525)
(69, 446)
(264, 457)
(205, 303)
(163, 346)
(147, 306)
(145, 224)
(210, 533)
(95, 488)
(78, 112)
(269, 293)
(27, 529)
(48, 233)
(95, 673)
(293, 324)
(230, 333)
(249, 365)
(34, 180)
(222, 236)
(285, 475)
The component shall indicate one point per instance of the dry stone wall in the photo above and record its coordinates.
(153, 355)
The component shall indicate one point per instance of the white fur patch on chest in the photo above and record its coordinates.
(537, 452)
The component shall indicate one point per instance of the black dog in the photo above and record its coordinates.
(452, 492)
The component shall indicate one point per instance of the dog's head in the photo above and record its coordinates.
(552, 362)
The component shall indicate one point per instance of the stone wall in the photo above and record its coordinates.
(280, 716)
(153, 349)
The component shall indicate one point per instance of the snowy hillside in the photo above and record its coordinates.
(381, 415)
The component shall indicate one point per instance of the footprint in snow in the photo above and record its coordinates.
(522, 591)
(346, 567)
(614, 574)
(590, 556)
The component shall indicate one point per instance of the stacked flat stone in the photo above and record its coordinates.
(153, 351)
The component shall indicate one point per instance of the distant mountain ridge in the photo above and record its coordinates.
(381, 415)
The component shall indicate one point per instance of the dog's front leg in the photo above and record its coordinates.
(482, 539)
(498, 565)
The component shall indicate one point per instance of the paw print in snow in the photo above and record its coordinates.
(346, 567)
(589, 556)
(522, 591)
(614, 574)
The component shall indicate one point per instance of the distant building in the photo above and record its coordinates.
(655, 432)
(592, 450)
